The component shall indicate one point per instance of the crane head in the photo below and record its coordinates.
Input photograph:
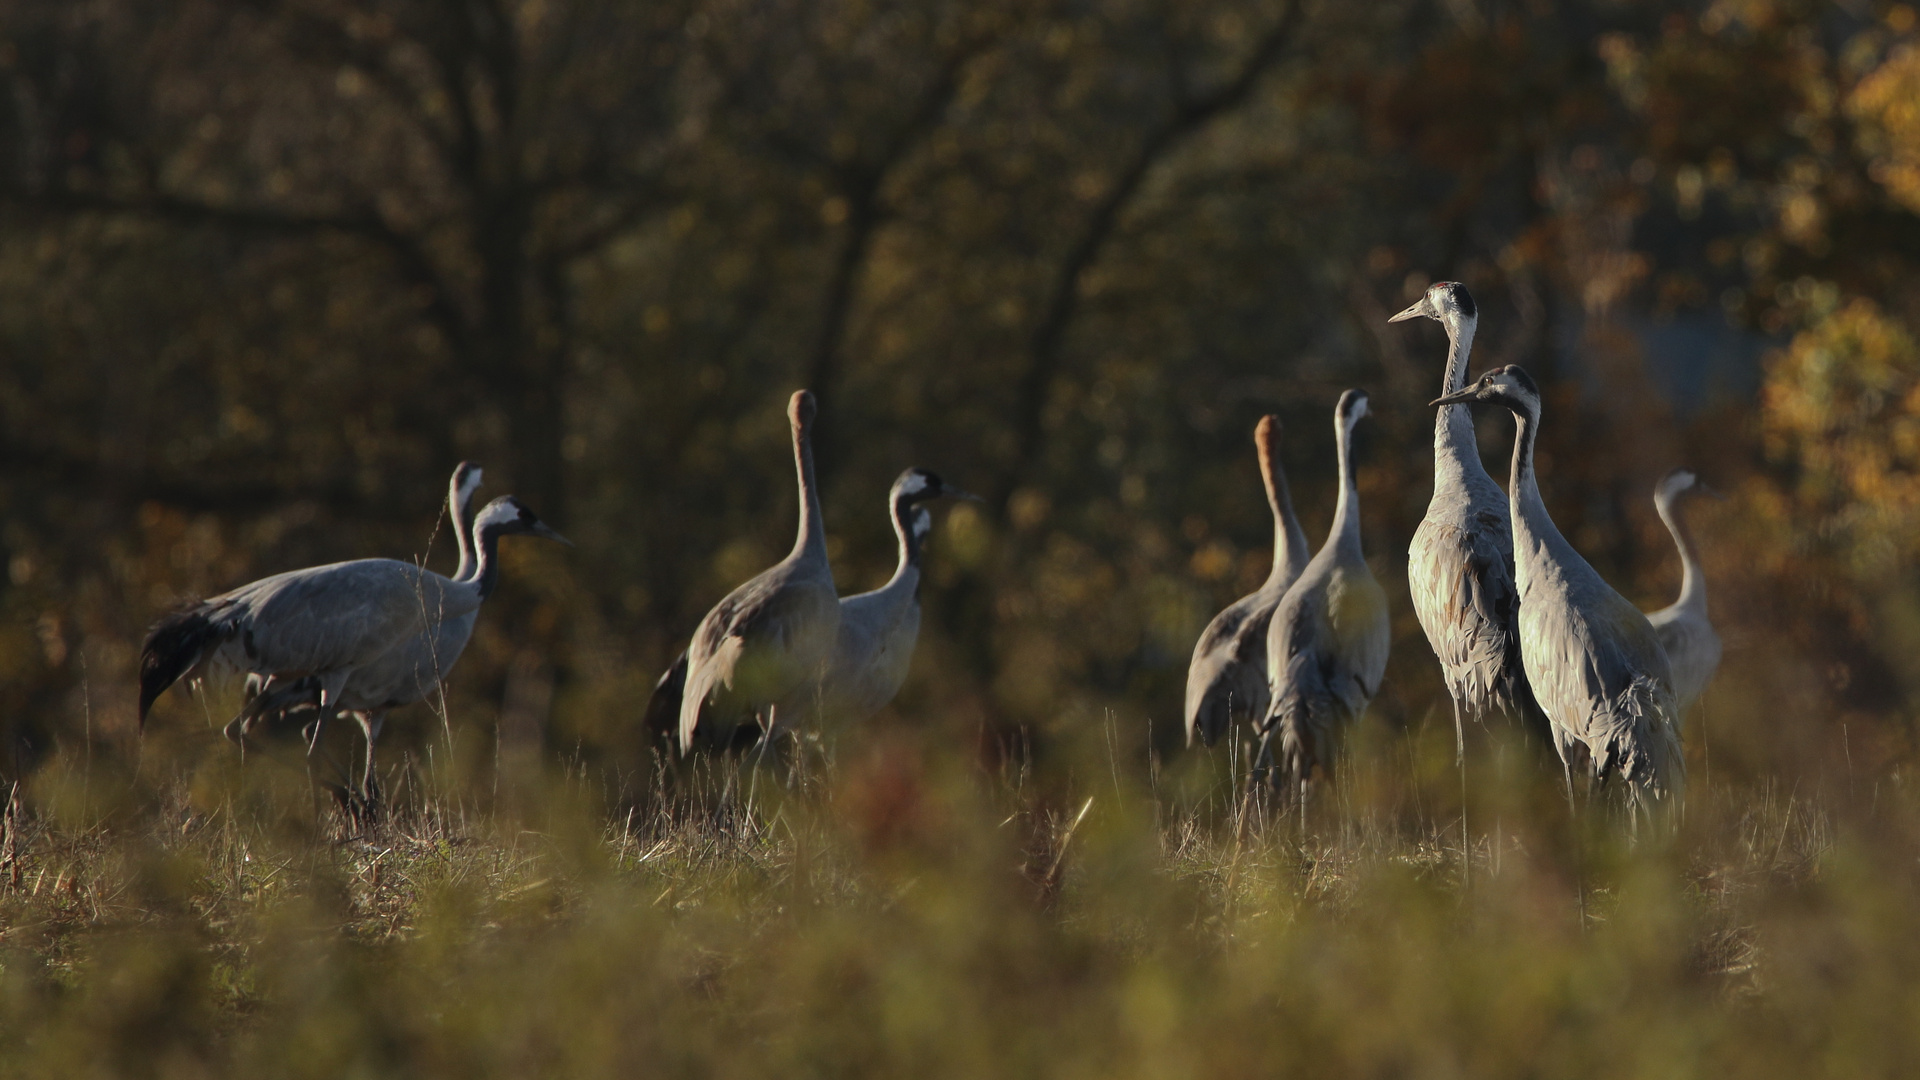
(801, 409)
(506, 516)
(1352, 407)
(1507, 386)
(1681, 481)
(1443, 300)
(467, 478)
(918, 485)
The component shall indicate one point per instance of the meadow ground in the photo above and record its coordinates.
(908, 910)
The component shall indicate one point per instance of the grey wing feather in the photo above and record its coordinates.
(411, 670)
(1463, 592)
(1362, 636)
(1600, 673)
(663, 706)
(758, 643)
(1305, 709)
(1227, 677)
(1693, 650)
(872, 654)
(1327, 648)
(329, 618)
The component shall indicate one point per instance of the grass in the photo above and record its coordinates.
(905, 910)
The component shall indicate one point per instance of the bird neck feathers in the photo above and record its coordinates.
(459, 500)
(1289, 540)
(1528, 510)
(1693, 583)
(811, 541)
(911, 523)
(1346, 510)
(487, 528)
(1456, 451)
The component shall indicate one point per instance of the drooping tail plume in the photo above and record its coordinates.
(663, 708)
(1299, 728)
(174, 646)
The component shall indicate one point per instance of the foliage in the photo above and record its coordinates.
(908, 915)
(1840, 408)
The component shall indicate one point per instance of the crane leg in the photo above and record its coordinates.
(1459, 739)
(1566, 775)
(330, 687)
(1262, 770)
(1460, 762)
(766, 735)
(370, 724)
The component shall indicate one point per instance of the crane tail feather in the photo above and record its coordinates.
(663, 707)
(175, 645)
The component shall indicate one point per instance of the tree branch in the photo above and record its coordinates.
(1063, 302)
(412, 259)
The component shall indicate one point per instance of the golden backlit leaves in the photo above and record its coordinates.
(1887, 103)
(1841, 409)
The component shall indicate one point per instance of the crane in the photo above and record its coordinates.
(425, 660)
(1327, 644)
(403, 675)
(316, 629)
(1692, 647)
(1227, 678)
(764, 648)
(1460, 572)
(878, 629)
(1596, 667)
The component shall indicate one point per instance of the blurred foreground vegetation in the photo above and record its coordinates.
(904, 912)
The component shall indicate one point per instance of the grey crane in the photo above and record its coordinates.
(1227, 678)
(874, 646)
(1596, 666)
(1693, 648)
(1327, 644)
(764, 648)
(266, 698)
(402, 676)
(1460, 572)
(878, 629)
(325, 623)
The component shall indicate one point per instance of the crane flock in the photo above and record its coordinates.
(1523, 627)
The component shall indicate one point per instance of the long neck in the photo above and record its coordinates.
(906, 575)
(486, 569)
(1346, 512)
(1456, 452)
(1693, 583)
(1290, 552)
(812, 539)
(461, 515)
(1533, 527)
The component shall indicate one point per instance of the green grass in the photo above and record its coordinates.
(905, 911)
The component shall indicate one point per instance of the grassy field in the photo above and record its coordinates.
(908, 910)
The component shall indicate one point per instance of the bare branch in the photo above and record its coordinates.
(1187, 118)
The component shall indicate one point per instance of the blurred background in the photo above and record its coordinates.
(273, 267)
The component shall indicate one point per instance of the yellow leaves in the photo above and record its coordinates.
(1842, 405)
(1887, 103)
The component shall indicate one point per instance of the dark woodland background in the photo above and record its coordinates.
(270, 268)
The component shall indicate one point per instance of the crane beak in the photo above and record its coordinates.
(1703, 489)
(1457, 398)
(956, 493)
(1418, 309)
(541, 529)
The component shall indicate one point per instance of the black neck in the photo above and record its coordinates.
(486, 545)
(903, 507)
(1527, 421)
(463, 517)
